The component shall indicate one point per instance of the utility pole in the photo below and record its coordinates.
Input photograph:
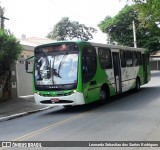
(2, 21)
(134, 34)
(2, 18)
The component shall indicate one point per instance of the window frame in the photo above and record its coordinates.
(123, 58)
(90, 69)
(107, 60)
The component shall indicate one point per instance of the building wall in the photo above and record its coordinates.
(26, 54)
(155, 62)
(155, 65)
(21, 81)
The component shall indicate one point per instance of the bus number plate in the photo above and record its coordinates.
(54, 100)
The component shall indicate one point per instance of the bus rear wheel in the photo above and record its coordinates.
(137, 88)
(67, 106)
(103, 95)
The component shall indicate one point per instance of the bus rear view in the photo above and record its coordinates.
(56, 74)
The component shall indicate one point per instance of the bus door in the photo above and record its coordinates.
(117, 71)
(89, 68)
(145, 71)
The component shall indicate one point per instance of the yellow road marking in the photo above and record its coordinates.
(39, 131)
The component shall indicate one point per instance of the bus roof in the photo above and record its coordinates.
(96, 45)
(117, 47)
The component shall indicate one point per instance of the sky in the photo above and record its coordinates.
(36, 18)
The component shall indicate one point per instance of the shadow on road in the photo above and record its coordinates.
(122, 102)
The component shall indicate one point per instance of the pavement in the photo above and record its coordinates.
(20, 107)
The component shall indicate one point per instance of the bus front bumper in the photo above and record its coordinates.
(76, 98)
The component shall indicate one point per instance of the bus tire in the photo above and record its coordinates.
(67, 106)
(137, 88)
(104, 95)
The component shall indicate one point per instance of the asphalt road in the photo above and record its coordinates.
(126, 117)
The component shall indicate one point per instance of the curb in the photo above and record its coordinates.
(23, 114)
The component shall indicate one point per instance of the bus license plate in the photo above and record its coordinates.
(54, 100)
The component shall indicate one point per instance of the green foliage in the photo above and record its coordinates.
(68, 30)
(119, 29)
(149, 10)
(10, 49)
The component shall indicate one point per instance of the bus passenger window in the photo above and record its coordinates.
(89, 63)
(123, 58)
(84, 66)
(139, 57)
(135, 61)
(129, 61)
(105, 58)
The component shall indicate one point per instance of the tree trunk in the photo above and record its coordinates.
(5, 86)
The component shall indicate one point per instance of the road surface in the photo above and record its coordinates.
(126, 117)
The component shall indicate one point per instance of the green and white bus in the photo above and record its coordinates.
(72, 73)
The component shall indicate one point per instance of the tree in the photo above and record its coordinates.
(68, 30)
(149, 10)
(10, 49)
(119, 29)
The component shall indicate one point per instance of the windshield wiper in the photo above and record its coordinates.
(56, 74)
(60, 65)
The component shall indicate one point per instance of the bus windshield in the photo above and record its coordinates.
(56, 64)
(56, 67)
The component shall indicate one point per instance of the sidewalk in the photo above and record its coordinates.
(19, 107)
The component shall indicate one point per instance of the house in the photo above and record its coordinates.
(30, 43)
(155, 61)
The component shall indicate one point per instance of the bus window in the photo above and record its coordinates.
(135, 61)
(147, 58)
(129, 61)
(105, 58)
(89, 63)
(123, 58)
(139, 57)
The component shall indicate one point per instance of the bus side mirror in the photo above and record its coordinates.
(29, 64)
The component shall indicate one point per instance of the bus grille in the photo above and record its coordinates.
(58, 94)
(59, 102)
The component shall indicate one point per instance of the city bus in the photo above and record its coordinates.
(72, 73)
